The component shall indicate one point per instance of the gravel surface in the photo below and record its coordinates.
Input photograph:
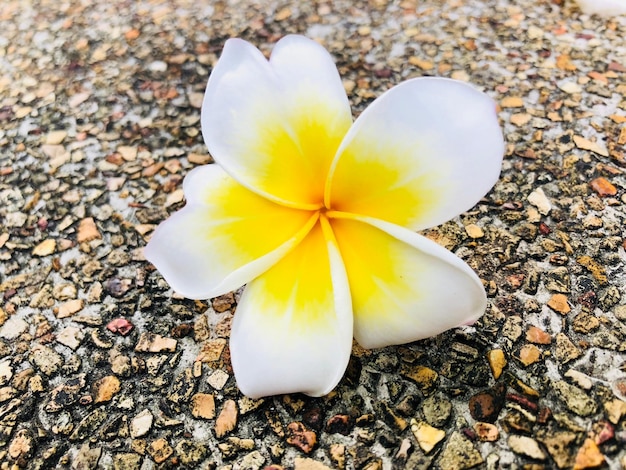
(103, 366)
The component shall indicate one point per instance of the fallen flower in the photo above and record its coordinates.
(603, 8)
(318, 214)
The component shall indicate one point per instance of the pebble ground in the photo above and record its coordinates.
(103, 366)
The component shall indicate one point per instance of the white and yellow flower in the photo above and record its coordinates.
(317, 214)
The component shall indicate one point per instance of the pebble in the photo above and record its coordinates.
(459, 453)
(71, 336)
(426, 435)
(69, 308)
(537, 336)
(575, 399)
(589, 456)
(539, 199)
(486, 406)
(13, 328)
(203, 406)
(87, 231)
(141, 424)
(527, 446)
(486, 432)
(46, 359)
(105, 389)
(150, 342)
(300, 437)
(529, 354)
(424, 377)
(159, 450)
(45, 248)
(305, 463)
(227, 419)
(436, 410)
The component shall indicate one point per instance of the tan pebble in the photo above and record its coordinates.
(22, 445)
(304, 463)
(582, 380)
(283, 14)
(512, 102)
(570, 87)
(55, 137)
(426, 435)
(529, 354)
(421, 63)
(160, 450)
(199, 159)
(539, 199)
(69, 308)
(603, 187)
(211, 350)
(45, 248)
(150, 342)
(589, 456)
(127, 152)
(424, 377)
(526, 446)
(497, 362)
(564, 62)
(227, 420)
(203, 406)
(520, 119)
(301, 437)
(486, 432)
(105, 389)
(615, 409)
(140, 425)
(474, 231)
(585, 144)
(87, 230)
(538, 336)
(218, 379)
(558, 303)
(338, 455)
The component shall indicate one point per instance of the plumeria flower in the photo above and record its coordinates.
(318, 215)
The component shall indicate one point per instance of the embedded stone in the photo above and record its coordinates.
(426, 435)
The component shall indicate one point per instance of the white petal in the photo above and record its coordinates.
(604, 8)
(224, 237)
(424, 152)
(275, 126)
(292, 330)
(404, 287)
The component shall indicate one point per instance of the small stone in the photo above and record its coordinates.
(529, 354)
(305, 463)
(22, 445)
(527, 446)
(512, 102)
(594, 147)
(69, 308)
(45, 248)
(426, 435)
(159, 450)
(86, 458)
(13, 327)
(55, 137)
(559, 445)
(87, 231)
(595, 268)
(539, 199)
(589, 456)
(459, 454)
(486, 406)
(64, 291)
(603, 187)
(615, 409)
(582, 380)
(140, 425)
(227, 419)
(486, 432)
(436, 410)
(218, 379)
(46, 359)
(203, 406)
(128, 153)
(211, 350)
(6, 372)
(537, 336)
(520, 119)
(569, 87)
(558, 280)
(252, 461)
(299, 436)
(424, 377)
(566, 351)
(338, 455)
(191, 453)
(71, 336)
(150, 342)
(558, 303)
(120, 325)
(105, 389)
(575, 399)
(199, 159)
(474, 231)
(127, 461)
